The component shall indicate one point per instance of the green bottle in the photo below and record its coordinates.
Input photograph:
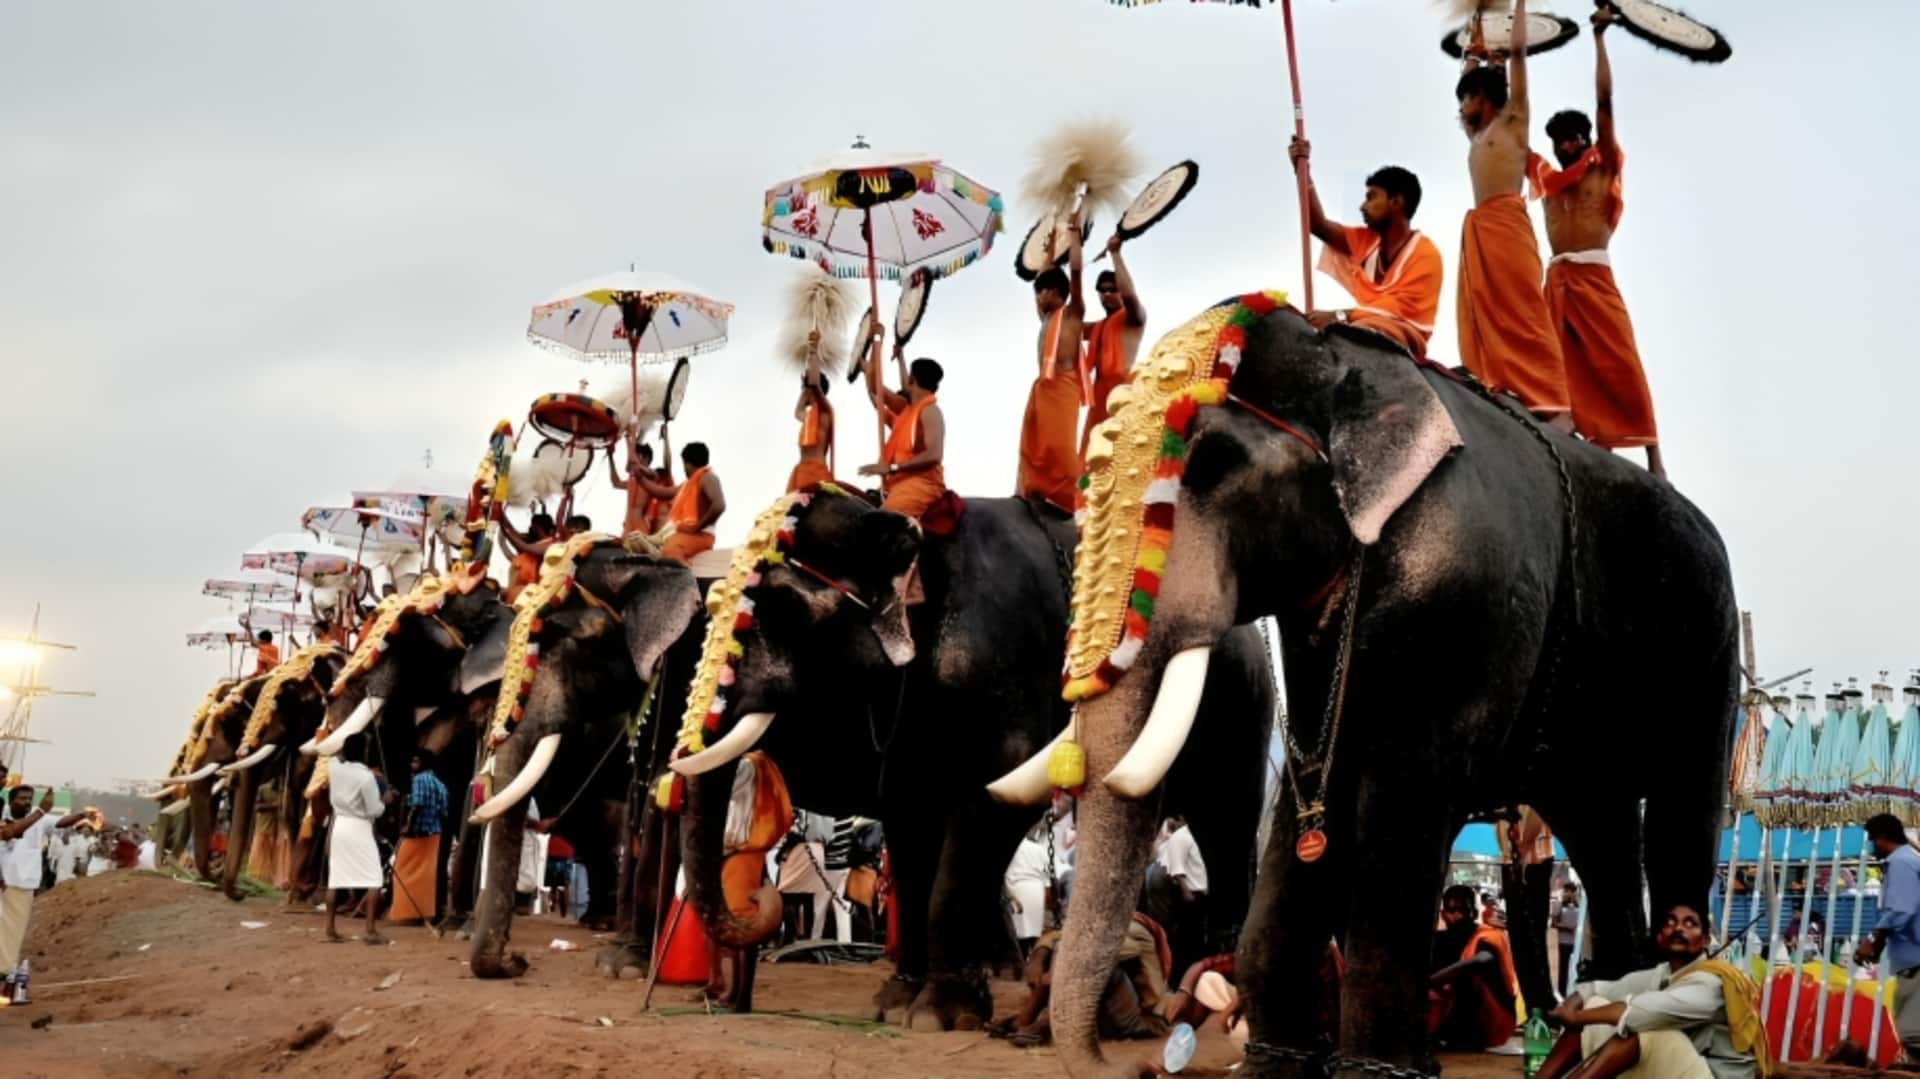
(1539, 1042)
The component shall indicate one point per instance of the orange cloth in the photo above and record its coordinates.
(682, 546)
(912, 492)
(1612, 406)
(1506, 334)
(1405, 304)
(524, 570)
(685, 512)
(265, 657)
(414, 865)
(1049, 461)
(1106, 368)
(772, 818)
(683, 954)
(808, 473)
(1544, 181)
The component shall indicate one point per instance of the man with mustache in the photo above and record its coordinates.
(1606, 385)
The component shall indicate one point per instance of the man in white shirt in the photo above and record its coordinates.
(1677, 1019)
(1175, 893)
(353, 856)
(23, 839)
(69, 849)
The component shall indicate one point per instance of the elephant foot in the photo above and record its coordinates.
(511, 966)
(616, 960)
(458, 926)
(895, 996)
(951, 1002)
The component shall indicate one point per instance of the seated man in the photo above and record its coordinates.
(1688, 1016)
(910, 467)
(697, 502)
(266, 654)
(528, 548)
(1129, 1004)
(1471, 997)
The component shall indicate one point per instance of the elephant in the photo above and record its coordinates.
(600, 650)
(903, 711)
(291, 706)
(214, 745)
(173, 797)
(1466, 601)
(424, 681)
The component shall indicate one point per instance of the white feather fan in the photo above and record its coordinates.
(1095, 155)
(816, 301)
(542, 477)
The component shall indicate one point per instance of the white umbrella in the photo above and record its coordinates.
(296, 554)
(277, 619)
(251, 586)
(367, 529)
(217, 633)
(435, 496)
(594, 319)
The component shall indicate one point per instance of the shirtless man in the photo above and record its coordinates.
(1113, 343)
(696, 503)
(1612, 406)
(644, 512)
(1049, 457)
(910, 468)
(816, 424)
(1507, 337)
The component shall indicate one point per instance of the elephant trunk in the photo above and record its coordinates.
(239, 833)
(494, 916)
(1115, 833)
(200, 809)
(702, 843)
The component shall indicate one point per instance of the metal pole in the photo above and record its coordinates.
(1570, 976)
(1778, 890)
(1300, 170)
(1793, 952)
(1733, 873)
(873, 350)
(1826, 944)
(1853, 938)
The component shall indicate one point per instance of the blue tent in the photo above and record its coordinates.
(1481, 839)
(1795, 845)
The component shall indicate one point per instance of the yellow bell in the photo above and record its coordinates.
(663, 792)
(1067, 766)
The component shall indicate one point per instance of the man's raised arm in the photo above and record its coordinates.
(1603, 89)
(1517, 65)
(1327, 231)
(1123, 280)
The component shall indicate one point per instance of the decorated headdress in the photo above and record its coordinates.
(1134, 464)
(554, 586)
(297, 668)
(220, 710)
(192, 742)
(490, 489)
(423, 600)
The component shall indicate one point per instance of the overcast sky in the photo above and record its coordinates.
(257, 255)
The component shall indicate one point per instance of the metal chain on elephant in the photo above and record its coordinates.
(1312, 842)
(1337, 1064)
(1061, 565)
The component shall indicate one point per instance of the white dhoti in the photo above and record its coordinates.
(16, 907)
(1664, 1054)
(353, 858)
(1030, 911)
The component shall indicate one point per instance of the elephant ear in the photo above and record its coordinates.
(658, 598)
(1389, 431)
(485, 660)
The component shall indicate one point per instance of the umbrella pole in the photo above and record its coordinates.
(1826, 941)
(1733, 872)
(1300, 170)
(1793, 949)
(1853, 938)
(873, 365)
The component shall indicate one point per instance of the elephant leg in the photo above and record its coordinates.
(1682, 825)
(1604, 843)
(913, 852)
(1402, 832)
(964, 924)
(505, 836)
(1292, 919)
(642, 878)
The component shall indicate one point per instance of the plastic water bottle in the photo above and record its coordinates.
(1538, 1038)
(1180, 1048)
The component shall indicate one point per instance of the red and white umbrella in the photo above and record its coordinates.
(300, 556)
(250, 587)
(366, 529)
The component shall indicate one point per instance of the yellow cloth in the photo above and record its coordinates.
(16, 907)
(1748, 1033)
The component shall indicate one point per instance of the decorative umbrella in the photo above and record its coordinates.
(873, 214)
(438, 498)
(298, 556)
(366, 529)
(218, 633)
(1833, 765)
(1903, 770)
(1871, 763)
(1299, 129)
(250, 586)
(278, 619)
(629, 315)
(1795, 777)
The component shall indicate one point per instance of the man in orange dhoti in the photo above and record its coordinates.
(910, 467)
(266, 654)
(1612, 406)
(1050, 464)
(528, 548)
(1392, 272)
(698, 503)
(1507, 337)
(416, 864)
(816, 424)
(759, 816)
(645, 513)
(1113, 342)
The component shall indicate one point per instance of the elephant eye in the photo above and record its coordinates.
(1211, 459)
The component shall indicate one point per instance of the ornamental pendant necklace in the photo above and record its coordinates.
(1312, 815)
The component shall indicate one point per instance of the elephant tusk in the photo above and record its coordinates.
(250, 759)
(175, 808)
(221, 784)
(368, 711)
(194, 776)
(516, 792)
(737, 741)
(1167, 726)
(1028, 784)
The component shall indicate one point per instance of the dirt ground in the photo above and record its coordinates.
(142, 975)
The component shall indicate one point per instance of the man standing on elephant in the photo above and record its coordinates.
(910, 468)
(815, 414)
(1049, 460)
(1392, 272)
(697, 502)
(266, 654)
(1113, 342)
(1507, 339)
(1607, 387)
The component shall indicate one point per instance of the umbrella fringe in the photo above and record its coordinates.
(621, 355)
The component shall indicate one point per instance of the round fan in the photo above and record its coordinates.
(1032, 259)
(1674, 31)
(575, 417)
(676, 389)
(912, 307)
(1158, 199)
(576, 466)
(1544, 32)
(861, 345)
